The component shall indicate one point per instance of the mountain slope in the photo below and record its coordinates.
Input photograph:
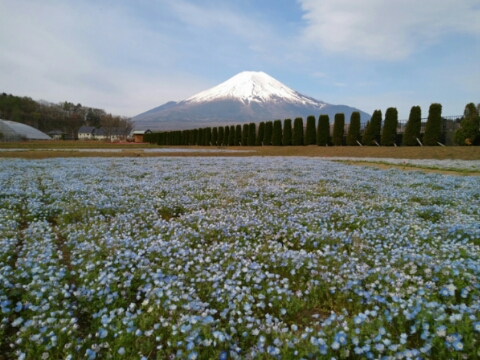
(246, 97)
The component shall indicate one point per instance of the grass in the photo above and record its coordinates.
(40, 150)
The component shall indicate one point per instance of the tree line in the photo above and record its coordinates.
(66, 117)
(377, 132)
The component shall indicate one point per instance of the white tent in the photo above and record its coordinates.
(12, 131)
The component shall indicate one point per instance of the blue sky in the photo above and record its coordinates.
(130, 56)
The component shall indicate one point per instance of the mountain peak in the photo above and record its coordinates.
(253, 86)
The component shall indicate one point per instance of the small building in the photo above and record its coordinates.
(86, 133)
(138, 135)
(56, 134)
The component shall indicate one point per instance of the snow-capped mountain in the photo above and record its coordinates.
(247, 97)
(250, 86)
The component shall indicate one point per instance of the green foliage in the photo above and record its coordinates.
(354, 129)
(373, 129)
(277, 133)
(194, 139)
(469, 132)
(245, 135)
(287, 132)
(214, 136)
(208, 136)
(338, 129)
(199, 137)
(220, 136)
(267, 137)
(389, 131)
(238, 135)
(433, 127)
(323, 130)
(413, 127)
(297, 137)
(261, 133)
(45, 116)
(252, 128)
(310, 132)
(226, 135)
(231, 136)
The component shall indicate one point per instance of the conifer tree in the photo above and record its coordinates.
(310, 132)
(195, 137)
(373, 129)
(261, 133)
(354, 129)
(200, 137)
(323, 130)
(338, 129)
(469, 131)
(433, 127)
(297, 136)
(220, 135)
(277, 133)
(208, 136)
(214, 136)
(226, 135)
(238, 135)
(252, 134)
(231, 136)
(287, 132)
(245, 135)
(413, 127)
(267, 136)
(389, 131)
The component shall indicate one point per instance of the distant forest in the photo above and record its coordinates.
(46, 116)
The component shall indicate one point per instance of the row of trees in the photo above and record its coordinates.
(66, 117)
(273, 133)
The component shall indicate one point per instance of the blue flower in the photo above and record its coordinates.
(458, 345)
(476, 326)
(223, 355)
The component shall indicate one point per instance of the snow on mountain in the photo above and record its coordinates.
(252, 86)
(247, 97)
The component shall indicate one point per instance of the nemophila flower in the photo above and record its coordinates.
(223, 355)
(335, 345)
(458, 345)
(121, 350)
(193, 355)
(476, 326)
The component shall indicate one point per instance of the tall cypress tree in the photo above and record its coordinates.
(238, 135)
(277, 133)
(287, 132)
(214, 136)
(220, 136)
(208, 136)
(252, 129)
(413, 127)
(433, 127)
(338, 129)
(297, 136)
(200, 137)
(231, 136)
(226, 135)
(267, 137)
(194, 137)
(354, 129)
(261, 133)
(373, 129)
(310, 132)
(245, 135)
(389, 131)
(323, 130)
(469, 131)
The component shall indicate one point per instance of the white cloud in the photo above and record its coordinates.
(386, 29)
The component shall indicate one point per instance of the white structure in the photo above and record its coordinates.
(15, 131)
(86, 133)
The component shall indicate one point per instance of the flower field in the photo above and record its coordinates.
(226, 258)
